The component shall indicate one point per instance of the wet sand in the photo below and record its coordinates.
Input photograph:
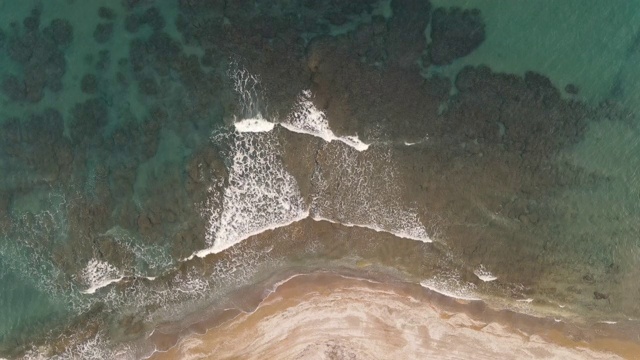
(325, 315)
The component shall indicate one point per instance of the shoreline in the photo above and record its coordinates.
(285, 293)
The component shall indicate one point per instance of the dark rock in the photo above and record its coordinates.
(600, 296)
(542, 86)
(550, 124)
(438, 87)
(148, 86)
(32, 22)
(104, 60)
(55, 67)
(572, 89)
(89, 84)
(106, 13)
(64, 153)
(13, 88)
(103, 32)
(406, 41)
(470, 78)
(87, 118)
(159, 51)
(55, 85)
(122, 79)
(11, 133)
(337, 18)
(164, 46)
(153, 18)
(455, 33)
(139, 54)
(60, 31)
(132, 23)
(21, 49)
(195, 7)
(210, 58)
(132, 4)
(45, 128)
(34, 82)
(589, 278)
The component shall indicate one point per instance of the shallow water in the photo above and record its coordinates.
(156, 157)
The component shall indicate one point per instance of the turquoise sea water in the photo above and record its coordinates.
(121, 166)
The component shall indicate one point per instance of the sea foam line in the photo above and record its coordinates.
(306, 118)
(375, 228)
(98, 274)
(257, 124)
(483, 274)
(216, 249)
(450, 288)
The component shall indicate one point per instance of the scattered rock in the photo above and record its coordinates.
(32, 22)
(103, 32)
(60, 31)
(3, 38)
(104, 60)
(41, 58)
(89, 84)
(588, 278)
(572, 89)
(106, 13)
(153, 18)
(13, 88)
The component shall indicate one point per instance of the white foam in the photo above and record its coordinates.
(607, 322)
(528, 300)
(248, 89)
(216, 249)
(257, 124)
(359, 189)
(307, 119)
(484, 274)
(411, 234)
(261, 194)
(451, 287)
(98, 274)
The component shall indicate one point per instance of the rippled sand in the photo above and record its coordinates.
(326, 316)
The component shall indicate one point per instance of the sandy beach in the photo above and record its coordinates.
(329, 316)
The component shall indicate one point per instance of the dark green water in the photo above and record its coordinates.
(507, 135)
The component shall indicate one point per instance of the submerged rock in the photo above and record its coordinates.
(89, 84)
(87, 118)
(572, 89)
(32, 22)
(106, 13)
(455, 33)
(151, 17)
(103, 32)
(406, 40)
(41, 57)
(60, 31)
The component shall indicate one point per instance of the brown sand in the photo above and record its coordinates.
(329, 316)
